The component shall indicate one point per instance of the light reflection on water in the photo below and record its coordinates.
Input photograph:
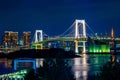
(39, 62)
(82, 67)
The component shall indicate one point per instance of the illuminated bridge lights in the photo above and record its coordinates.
(45, 43)
(61, 39)
(37, 46)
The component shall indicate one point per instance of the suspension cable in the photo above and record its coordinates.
(67, 30)
(90, 29)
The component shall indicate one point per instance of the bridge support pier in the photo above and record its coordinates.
(84, 47)
(77, 46)
(37, 46)
(79, 35)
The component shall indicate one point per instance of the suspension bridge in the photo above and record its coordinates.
(74, 38)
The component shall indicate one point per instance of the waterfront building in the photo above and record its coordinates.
(10, 39)
(98, 45)
(26, 38)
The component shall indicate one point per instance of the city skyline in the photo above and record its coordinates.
(54, 17)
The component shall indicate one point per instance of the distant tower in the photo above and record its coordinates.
(112, 34)
(112, 39)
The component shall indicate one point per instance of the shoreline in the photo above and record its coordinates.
(45, 53)
(33, 53)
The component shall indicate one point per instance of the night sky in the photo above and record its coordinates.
(55, 16)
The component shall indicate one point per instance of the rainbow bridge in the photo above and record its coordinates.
(74, 36)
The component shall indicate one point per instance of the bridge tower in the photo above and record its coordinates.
(38, 38)
(78, 36)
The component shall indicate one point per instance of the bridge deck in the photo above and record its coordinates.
(63, 39)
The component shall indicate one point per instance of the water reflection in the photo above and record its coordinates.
(110, 70)
(77, 61)
(81, 68)
(77, 75)
(5, 65)
(39, 62)
(24, 63)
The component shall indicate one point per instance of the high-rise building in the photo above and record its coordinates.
(10, 39)
(26, 38)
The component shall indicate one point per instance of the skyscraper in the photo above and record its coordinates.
(26, 38)
(10, 39)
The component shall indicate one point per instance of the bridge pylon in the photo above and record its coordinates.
(77, 35)
(38, 38)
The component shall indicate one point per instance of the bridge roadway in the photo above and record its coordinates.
(63, 39)
(105, 39)
(73, 39)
